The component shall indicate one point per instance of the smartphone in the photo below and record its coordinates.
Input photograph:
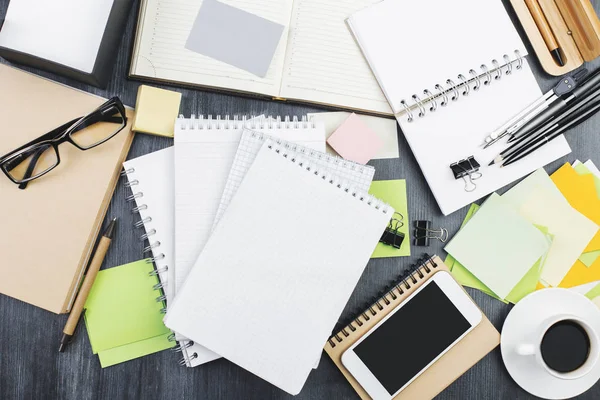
(412, 337)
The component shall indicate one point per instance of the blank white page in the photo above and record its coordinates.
(357, 175)
(67, 32)
(414, 45)
(204, 154)
(323, 64)
(161, 53)
(262, 306)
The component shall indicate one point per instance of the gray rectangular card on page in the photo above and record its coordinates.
(234, 36)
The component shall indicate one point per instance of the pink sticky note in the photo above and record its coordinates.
(355, 141)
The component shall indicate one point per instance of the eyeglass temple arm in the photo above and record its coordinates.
(47, 136)
(31, 166)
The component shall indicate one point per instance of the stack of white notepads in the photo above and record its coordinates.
(291, 231)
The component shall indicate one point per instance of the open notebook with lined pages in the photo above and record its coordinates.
(317, 59)
(451, 87)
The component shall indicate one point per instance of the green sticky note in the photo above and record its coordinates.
(135, 350)
(525, 286)
(461, 274)
(394, 193)
(592, 294)
(497, 225)
(122, 309)
(589, 258)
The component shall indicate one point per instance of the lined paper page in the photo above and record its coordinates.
(323, 63)
(167, 25)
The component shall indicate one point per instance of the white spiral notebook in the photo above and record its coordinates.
(204, 152)
(453, 72)
(350, 173)
(246, 306)
(151, 180)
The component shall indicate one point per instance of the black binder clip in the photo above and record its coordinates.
(392, 236)
(423, 233)
(467, 168)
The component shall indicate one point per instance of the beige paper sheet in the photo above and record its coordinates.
(49, 229)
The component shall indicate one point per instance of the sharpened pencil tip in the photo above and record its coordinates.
(490, 164)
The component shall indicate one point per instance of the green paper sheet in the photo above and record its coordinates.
(589, 258)
(592, 294)
(394, 193)
(526, 286)
(122, 310)
(135, 350)
(498, 226)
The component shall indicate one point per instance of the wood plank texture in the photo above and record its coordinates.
(32, 368)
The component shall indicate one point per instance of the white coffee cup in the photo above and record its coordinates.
(533, 347)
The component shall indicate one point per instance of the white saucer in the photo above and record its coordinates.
(523, 320)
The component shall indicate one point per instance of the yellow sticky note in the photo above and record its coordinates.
(579, 274)
(156, 111)
(580, 192)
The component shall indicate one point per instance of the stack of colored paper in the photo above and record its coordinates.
(122, 317)
(565, 208)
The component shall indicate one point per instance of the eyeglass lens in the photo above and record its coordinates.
(97, 128)
(32, 162)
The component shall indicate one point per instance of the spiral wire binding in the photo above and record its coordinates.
(182, 345)
(341, 184)
(153, 245)
(452, 90)
(225, 123)
(289, 147)
(422, 267)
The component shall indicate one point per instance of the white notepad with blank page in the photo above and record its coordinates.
(204, 153)
(263, 306)
(458, 74)
(151, 180)
(355, 175)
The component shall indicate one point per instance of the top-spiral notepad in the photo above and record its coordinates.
(452, 72)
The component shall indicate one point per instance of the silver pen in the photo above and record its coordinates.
(565, 86)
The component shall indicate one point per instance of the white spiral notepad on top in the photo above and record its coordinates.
(247, 306)
(353, 174)
(204, 152)
(452, 85)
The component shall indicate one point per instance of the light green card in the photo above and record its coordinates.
(394, 193)
(498, 225)
(122, 310)
(589, 258)
(135, 350)
(526, 286)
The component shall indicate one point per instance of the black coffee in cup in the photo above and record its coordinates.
(565, 346)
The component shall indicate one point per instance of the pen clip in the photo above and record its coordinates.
(569, 83)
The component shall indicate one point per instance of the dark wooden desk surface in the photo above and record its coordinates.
(31, 368)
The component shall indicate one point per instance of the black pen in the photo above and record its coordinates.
(581, 92)
(557, 130)
(565, 116)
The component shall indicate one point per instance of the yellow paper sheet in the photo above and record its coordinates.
(580, 274)
(580, 192)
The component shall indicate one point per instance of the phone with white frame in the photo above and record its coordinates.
(412, 337)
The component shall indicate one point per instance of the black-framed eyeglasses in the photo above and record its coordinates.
(41, 155)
